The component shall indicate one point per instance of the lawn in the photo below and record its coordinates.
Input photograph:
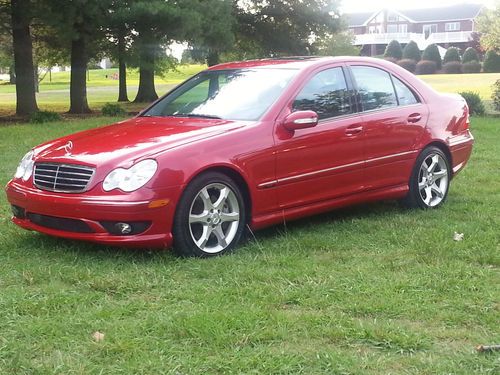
(103, 87)
(374, 289)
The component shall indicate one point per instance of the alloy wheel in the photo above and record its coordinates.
(433, 179)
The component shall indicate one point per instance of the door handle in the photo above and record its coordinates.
(414, 117)
(354, 130)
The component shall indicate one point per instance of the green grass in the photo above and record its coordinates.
(54, 95)
(101, 88)
(373, 289)
(454, 83)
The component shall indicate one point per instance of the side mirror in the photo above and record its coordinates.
(300, 120)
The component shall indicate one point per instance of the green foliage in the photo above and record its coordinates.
(470, 54)
(338, 44)
(453, 67)
(488, 24)
(426, 67)
(41, 117)
(394, 50)
(474, 102)
(412, 52)
(431, 53)
(495, 96)
(471, 67)
(452, 54)
(276, 28)
(113, 109)
(491, 62)
(408, 64)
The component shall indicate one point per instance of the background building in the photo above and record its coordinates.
(444, 26)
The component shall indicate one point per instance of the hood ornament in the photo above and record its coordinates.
(68, 147)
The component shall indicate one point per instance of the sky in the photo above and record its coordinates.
(353, 6)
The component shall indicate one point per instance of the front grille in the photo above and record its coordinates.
(59, 223)
(65, 178)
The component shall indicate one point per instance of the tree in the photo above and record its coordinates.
(119, 36)
(217, 26)
(275, 28)
(470, 54)
(23, 57)
(431, 53)
(156, 24)
(394, 50)
(338, 44)
(491, 62)
(488, 23)
(452, 54)
(412, 52)
(77, 25)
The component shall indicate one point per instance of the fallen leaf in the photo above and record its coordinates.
(458, 236)
(98, 336)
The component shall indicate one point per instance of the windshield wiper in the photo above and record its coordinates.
(199, 115)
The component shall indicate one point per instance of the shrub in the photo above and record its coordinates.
(491, 62)
(110, 109)
(391, 59)
(496, 95)
(412, 52)
(474, 102)
(41, 117)
(394, 50)
(453, 67)
(471, 67)
(470, 54)
(426, 67)
(431, 53)
(452, 54)
(408, 64)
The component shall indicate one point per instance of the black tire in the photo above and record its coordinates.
(185, 233)
(417, 196)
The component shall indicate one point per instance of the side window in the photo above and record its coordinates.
(326, 94)
(374, 87)
(404, 93)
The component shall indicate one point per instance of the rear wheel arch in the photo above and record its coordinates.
(443, 147)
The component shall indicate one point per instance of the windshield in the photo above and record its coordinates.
(240, 94)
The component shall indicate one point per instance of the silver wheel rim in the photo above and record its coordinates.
(433, 180)
(214, 218)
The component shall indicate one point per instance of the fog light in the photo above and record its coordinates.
(123, 228)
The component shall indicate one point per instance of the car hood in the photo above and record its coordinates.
(130, 140)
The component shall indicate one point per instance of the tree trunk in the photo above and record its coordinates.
(212, 57)
(23, 58)
(122, 69)
(78, 84)
(12, 75)
(146, 92)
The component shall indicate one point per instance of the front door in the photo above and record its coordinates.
(325, 161)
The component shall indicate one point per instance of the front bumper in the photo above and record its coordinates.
(93, 215)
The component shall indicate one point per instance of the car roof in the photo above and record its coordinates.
(291, 62)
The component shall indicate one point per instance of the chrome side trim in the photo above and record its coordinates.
(272, 183)
(461, 140)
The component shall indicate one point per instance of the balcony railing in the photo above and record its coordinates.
(419, 38)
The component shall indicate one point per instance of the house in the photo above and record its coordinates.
(445, 26)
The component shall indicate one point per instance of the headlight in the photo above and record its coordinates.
(25, 168)
(130, 179)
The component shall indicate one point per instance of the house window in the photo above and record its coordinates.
(403, 28)
(392, 17)
(392, 29)
(430, 29)
(452, 26)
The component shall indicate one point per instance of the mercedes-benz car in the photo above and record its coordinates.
(247, 144)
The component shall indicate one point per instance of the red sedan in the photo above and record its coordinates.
(249, 143)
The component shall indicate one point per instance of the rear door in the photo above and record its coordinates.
(394, 120)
